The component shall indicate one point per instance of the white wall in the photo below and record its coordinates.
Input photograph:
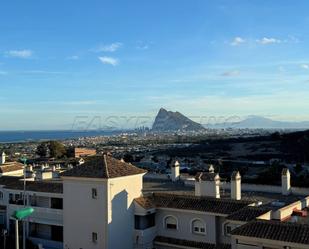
(111, 215)
(83, 215)
(122, 191)
(184, 230)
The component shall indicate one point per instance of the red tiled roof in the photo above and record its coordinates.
(188, 243)
(103, 167)
(275, 230)
(248, 213)
(11, 166)
(190, 202)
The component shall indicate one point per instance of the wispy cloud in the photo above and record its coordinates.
(237, 41)
(109, 60)
(3, 73)
(24, 54)
(109, 47)
(73, 57)
(230, 73)
(41, 72)
(304, 66)
(268, 40)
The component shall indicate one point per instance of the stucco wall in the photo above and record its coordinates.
(122, 191)
(84, 215)
(184, 230)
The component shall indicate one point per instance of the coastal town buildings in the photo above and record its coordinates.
(108, 203)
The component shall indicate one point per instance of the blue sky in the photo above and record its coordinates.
(62, 60)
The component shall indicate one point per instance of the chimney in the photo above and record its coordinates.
(207, 184)
(236, 185)
(2, 161)
(175, 171)
(211, 168)
(30, 168)
(285, 182)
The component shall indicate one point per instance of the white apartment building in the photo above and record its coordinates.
(102, 205)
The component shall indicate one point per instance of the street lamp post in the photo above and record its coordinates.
(17, 216)
(24, 160)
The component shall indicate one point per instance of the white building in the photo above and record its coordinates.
(100, 205)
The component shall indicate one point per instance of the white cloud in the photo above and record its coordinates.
(24, 54)
(230, 73)
(109, 47)
(109, 60)
(268, 40)
(237, 41)
(304, 66)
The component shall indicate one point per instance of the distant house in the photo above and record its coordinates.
(84, 152)
(10, 168)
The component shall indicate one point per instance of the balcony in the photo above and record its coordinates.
(42, 215)
(46, 243)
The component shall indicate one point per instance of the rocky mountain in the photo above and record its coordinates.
(256, 122)
(166, 121)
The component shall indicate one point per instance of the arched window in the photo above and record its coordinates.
(170, 222)
(198, 226)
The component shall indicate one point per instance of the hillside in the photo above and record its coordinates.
(168, 121)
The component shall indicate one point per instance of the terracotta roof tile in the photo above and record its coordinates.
(275, 230)
(189, 243)
(10, 166)
(248, 213)
(190, 202)
(103, 167)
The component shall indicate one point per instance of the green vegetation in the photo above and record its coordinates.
(52, 149)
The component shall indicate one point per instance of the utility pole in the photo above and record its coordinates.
(20, 215)
(24, 160)
(16, 234)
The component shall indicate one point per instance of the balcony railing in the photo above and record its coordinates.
(43, 215)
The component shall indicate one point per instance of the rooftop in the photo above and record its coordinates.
(16, 183)
(10, 166)
(103, 167)
(248, 213)
(191, 202)
(188, 243)
(207, 176)
(275, 230)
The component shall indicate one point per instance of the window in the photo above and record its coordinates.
(144, 222)
(94, 193)
(1, 195)
(94, 237)
(227, 229)
(170, 222)
(198, 227)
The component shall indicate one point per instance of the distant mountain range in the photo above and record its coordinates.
(168, 121)
(257, 122)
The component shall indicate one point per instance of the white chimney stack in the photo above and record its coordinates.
(175, 171)
(285, 182)
(207, 184)
(236, 185)
(2, 158)
(211, 168)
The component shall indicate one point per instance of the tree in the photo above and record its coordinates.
(56, 149)
(42, 149)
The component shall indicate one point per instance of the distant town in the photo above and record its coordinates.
(183, 186)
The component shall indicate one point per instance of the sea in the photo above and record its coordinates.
(28, 136)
